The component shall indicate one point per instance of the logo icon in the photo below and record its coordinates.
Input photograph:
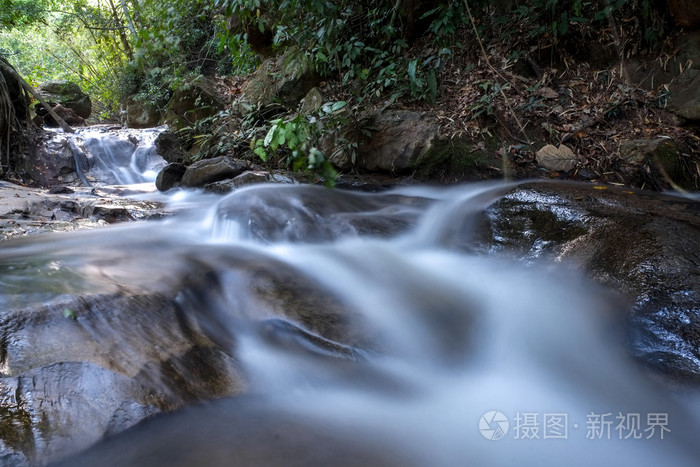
(493, 425)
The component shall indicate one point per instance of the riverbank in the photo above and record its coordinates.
(29, 211)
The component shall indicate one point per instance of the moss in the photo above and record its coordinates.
(16, 430)
(461, 159)
(667, 157)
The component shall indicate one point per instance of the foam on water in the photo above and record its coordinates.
(114, 156)
(460, 334)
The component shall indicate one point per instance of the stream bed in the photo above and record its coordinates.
(481, 324)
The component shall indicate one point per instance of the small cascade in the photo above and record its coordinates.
(109, 156)
(348, 327)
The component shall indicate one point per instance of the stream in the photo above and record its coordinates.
(294, 325)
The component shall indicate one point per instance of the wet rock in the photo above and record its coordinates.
(241, 431)
(170, 176)
(121, 359)
(212, 170)
(61, 190)
(53, 161)
(646, 247)
(313, 213)
(26, 211)
(249, 177)
(68, 95)
(169, 147)
(115, 351)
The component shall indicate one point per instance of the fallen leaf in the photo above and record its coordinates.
(561, 159)
(548, 93)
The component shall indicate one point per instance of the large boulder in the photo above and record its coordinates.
(68, 95)
(402, 141)
(286, 79)
(311, 213)
(51, 162)
(644, 246)
(140, 114)
(119, 358)
(170, 147)
(170, 176)
(212, 170)
(193, 102)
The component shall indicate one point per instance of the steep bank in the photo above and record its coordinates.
(593, 105)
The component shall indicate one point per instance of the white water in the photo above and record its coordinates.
(114, 156)
(458, 335)
(447, 335)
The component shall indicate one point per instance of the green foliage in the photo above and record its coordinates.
(72, 44)
(70, 314)
(553, 20)
(294, 141)
(445, 21)
(490, 93)
(20, 13)
(220, 134)
(363, 43)
(176, 34)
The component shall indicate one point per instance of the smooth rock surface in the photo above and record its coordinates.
(68, 95)
(212, 170)
(400, 141)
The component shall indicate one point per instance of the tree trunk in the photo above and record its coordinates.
(7, 69)
(120, 26)
(7, 114)
(129, 22)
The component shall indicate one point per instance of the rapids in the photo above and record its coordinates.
(370, 330)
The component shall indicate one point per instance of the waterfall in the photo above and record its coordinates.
(109, 156)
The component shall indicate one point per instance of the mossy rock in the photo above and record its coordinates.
(462, 159)
(68, 95)
(193, 102)
(285, 80)
(662, 159)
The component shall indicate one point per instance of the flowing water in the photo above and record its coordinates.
(421, 350)
(108, 156)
